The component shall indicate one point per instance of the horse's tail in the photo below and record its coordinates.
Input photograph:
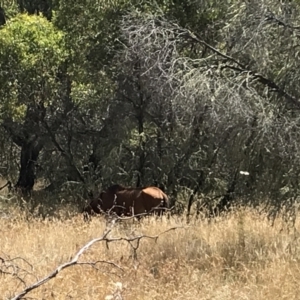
(165, 202)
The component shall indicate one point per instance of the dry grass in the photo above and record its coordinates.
(238, 257)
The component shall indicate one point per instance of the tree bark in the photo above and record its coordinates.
(142, 144)
(29, 154)
(2, 17)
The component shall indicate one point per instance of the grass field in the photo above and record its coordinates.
(238, 257)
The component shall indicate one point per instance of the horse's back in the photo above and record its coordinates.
(154, 192)
(140, 200)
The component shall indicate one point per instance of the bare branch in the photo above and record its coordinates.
(61, 267)
(67, 155)
(270, 16)
(9, 267)
(8, 183)
(95, 263)
(74, 261)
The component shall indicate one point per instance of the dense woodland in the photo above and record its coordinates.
(201, 98)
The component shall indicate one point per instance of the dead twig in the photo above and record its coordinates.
(8, 183)
(9, 267)
(94, 264)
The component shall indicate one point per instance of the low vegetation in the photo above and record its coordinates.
(240, 256)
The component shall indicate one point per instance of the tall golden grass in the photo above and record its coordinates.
(240, 256)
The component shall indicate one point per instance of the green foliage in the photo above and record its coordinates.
(92, 31)
(93, 35)
(134, 138)
(31, 52)
(33, 40)
(10, 8)
(196, 14)
(183, 112)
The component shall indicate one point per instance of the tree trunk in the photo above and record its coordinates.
(142, 144)
(226, 201)
(2, 17)
(200, 183)
(29, 154)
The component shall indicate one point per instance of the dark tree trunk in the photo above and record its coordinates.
(226, 200)
(196, 189)
(29, 154)
(142, 143)
(2, 17)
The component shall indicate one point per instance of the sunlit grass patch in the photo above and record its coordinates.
(240, 256)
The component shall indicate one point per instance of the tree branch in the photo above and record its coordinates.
(270, 16)
(242, 68)
(74, 261)
(67, 155)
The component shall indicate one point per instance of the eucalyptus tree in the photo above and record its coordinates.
(32, 99)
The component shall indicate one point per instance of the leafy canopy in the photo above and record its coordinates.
(31, 52)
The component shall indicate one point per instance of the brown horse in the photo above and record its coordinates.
(131, 201)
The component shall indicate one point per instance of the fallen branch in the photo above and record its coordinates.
(61, 267)
(74, 261)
